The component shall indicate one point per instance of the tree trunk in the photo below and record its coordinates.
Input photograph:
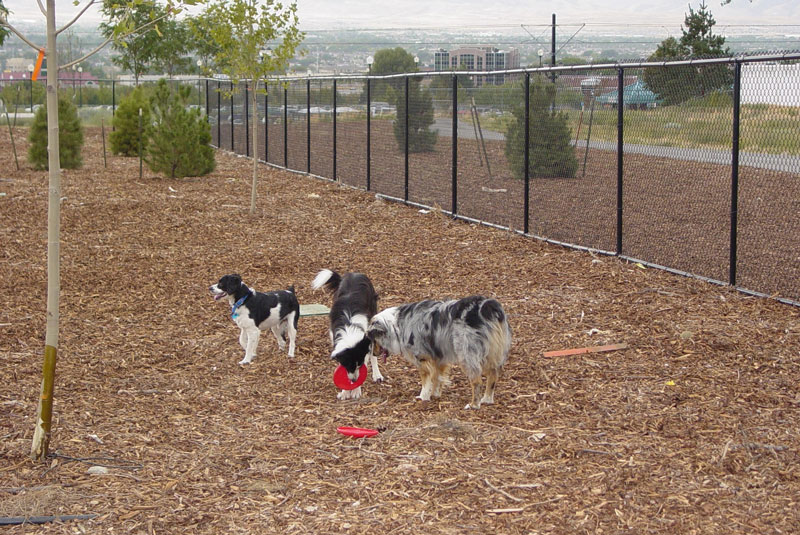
(41, 435)
(254, 116)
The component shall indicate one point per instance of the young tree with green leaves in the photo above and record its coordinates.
(679, 84)
(3, 31)
(255, 40)
(204, 48)
(136, 51)
(125, 27)
(170, 55)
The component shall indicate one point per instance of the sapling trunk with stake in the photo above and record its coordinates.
(41, 435)
(254, 41)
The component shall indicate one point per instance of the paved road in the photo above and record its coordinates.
(774, 162)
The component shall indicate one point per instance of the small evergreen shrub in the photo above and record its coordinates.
(179, 138)
(551, 154)
(420, 117)
(70, 137)
(124, 140)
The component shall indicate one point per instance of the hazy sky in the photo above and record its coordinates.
(473, 14)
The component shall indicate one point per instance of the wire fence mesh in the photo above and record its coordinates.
(690, 166)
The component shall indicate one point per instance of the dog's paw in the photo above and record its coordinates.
(378, 379)
(245, 361)
(471, 407)
(343, 395)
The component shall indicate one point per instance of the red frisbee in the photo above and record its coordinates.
(341, 379)
(357, 432)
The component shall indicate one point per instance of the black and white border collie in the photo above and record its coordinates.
(256, 311)
(354, 303)
(472, 333)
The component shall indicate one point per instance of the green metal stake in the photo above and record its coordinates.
(103, 131)
(140, 143)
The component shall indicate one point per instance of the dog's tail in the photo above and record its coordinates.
(499, 333)
(327, 278)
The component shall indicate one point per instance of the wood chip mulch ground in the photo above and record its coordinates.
(693, 428)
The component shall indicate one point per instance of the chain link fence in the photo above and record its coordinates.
(691, 166)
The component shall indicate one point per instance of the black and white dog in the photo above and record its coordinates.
(354, 303)
(472, 333)
(256, 311)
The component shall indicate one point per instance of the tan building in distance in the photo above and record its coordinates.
(481, 58)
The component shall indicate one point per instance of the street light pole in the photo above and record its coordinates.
(80, 87)
(30, 81)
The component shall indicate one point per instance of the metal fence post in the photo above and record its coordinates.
(334, 128)
(737, 87)
(233, 120)
(247, 121)
(266, 120)
(219, 116)
(308, 126)
(285, 127)
(527, 152)
(208, 110)
(620, 117)
(454, 184)
(405, 190)
(369, 148)
(113, 104)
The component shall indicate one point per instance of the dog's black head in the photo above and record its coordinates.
(353, 357)
(227, 285)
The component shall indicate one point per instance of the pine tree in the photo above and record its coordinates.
(70, 141)
(679, 84)
(550, 152)
(420, 118)
(179, 138)
(124, 139)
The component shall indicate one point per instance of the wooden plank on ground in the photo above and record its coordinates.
(581, 350)
(313, 310)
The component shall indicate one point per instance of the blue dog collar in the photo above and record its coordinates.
(237, 304)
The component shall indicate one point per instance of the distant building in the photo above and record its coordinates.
(482, 58)
(19, 64)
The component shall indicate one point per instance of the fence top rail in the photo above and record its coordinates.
(785, 56)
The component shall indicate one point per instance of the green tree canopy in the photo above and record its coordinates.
(204, 48)
(420, 102)
(678, 84)
(139, 50)
(170, 54)
(390, 61)
(254, 41)
(3, 14)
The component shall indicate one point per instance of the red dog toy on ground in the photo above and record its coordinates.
(341, 379)
(357, 432)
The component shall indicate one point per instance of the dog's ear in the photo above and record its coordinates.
(376, 330)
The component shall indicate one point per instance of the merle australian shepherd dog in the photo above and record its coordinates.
(354, 303)
(472, 333)
(256, 311)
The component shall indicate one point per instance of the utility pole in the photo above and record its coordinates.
(553, 49)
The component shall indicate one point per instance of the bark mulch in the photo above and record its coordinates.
(691, 429)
